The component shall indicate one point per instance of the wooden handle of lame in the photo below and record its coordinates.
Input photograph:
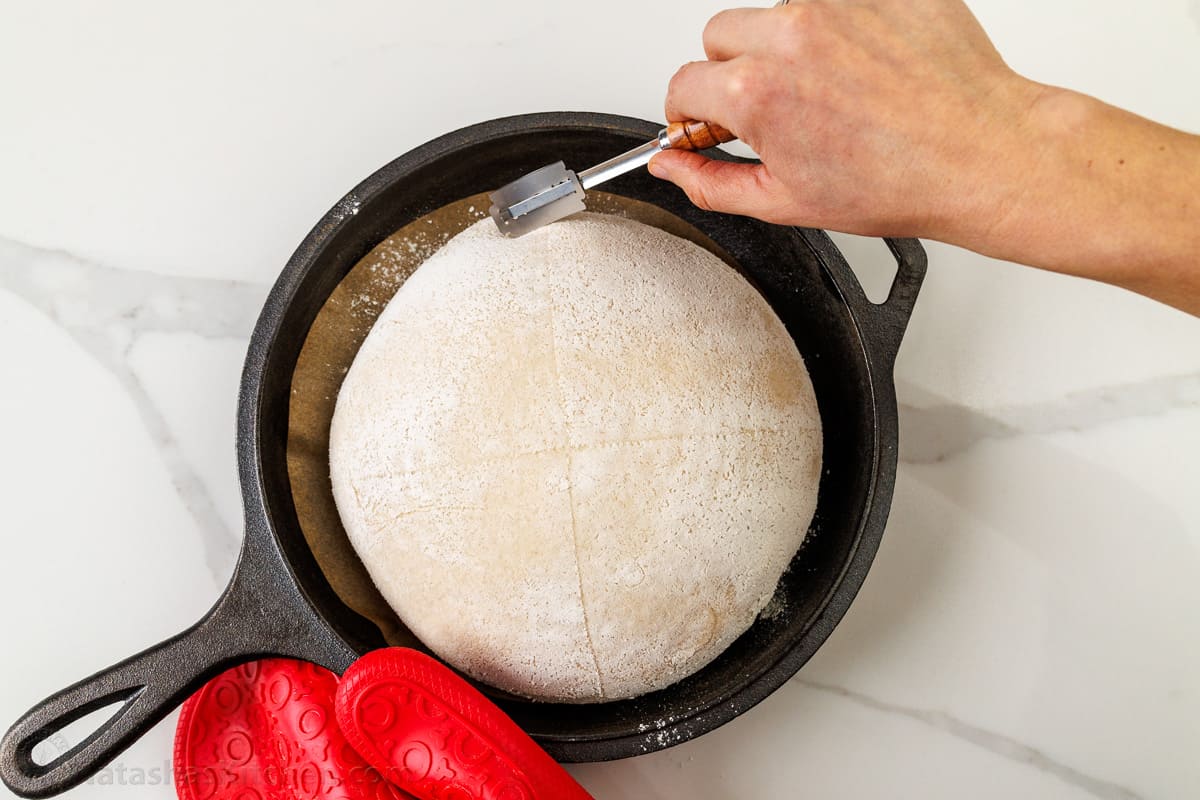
(696, 135)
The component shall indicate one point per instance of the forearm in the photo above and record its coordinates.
(1087, 189)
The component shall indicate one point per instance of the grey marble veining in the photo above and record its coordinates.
(1002, 746)
(933, 429)
(105, 310)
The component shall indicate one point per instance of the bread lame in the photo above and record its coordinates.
(548, 194)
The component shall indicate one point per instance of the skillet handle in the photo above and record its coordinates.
(890, 318)
(147, 686)
(262, 613)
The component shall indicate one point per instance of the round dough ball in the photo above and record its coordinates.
(576, 463)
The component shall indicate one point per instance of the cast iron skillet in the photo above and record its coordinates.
(279, 604)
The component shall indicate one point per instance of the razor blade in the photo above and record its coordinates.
(548, 194)
(543, 196)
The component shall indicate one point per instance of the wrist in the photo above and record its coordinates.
(1008, 153)
(1032, 175)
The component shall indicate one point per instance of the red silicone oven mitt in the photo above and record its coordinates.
(399, 724)
(267, 731)
(431, 733)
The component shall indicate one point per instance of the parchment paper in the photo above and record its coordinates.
(330, 347)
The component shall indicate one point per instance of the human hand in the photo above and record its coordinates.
(899, 118)
(873, 117)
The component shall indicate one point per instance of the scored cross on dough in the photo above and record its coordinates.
(576, 463)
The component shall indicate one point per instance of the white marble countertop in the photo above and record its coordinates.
(1031, 627)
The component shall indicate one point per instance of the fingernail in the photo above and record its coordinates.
(658, 169)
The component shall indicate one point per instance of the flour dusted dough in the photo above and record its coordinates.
(576, 463)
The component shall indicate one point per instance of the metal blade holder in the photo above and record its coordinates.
(553, 192)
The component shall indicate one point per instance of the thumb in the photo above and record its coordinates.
(718, 185)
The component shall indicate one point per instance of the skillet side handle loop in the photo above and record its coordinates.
(147, 686)
(890, 318)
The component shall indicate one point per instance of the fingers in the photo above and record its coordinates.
(731, 33)
(693, 93)
(724, 186)
(715, 90)
(732, 94)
